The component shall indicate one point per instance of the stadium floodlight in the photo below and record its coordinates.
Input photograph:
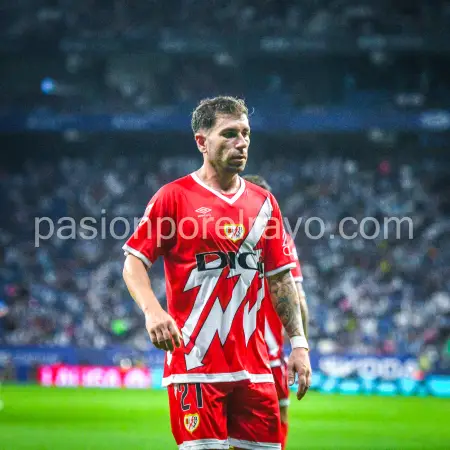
(48, 86)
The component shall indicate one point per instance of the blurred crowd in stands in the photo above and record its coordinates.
(386, 295)
(142, 83)
(31, 18)
(66, 76)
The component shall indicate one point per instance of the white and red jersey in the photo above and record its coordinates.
(274, 332)
(217, 250)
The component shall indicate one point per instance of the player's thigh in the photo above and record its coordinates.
(198, 415)
(254, 417)
(282, 386)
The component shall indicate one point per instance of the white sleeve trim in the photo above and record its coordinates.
(280, 269)
(298, 279)
(129, 250)
(275, 363)
(284, 402)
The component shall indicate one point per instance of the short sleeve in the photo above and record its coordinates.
(297, 270)
(278, 257)
(156, 231)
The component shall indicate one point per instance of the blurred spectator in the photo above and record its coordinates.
(3, 313)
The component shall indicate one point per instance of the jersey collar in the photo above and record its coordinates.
(231, 200)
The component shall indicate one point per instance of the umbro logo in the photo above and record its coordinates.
(203, 211)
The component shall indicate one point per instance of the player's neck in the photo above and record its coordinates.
(227, 183)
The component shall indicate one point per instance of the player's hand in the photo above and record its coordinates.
(163, 330)
(299, 364)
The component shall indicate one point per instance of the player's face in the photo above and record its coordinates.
(226, 144)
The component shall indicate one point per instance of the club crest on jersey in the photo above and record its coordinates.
(191, 422)
(234, 231)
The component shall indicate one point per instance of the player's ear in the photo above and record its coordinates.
(200, 139)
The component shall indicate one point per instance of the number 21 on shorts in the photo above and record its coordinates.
(184, 390)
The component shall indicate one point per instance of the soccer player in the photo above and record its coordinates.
(219, 237)
(273, 332)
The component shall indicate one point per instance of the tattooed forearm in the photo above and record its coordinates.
(303, 307)
(286, 302)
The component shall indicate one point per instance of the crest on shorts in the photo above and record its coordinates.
(191, 422)
(234, 231)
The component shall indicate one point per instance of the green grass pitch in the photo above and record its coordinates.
(34, 418)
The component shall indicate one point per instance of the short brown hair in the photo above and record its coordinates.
(205, 114)
(259, 181)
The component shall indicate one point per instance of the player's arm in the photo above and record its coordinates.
(303, 307)
(151, 239)
(285, 299)
(161, 327)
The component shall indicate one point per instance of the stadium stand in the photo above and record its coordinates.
(345, 58)
(382, 296)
